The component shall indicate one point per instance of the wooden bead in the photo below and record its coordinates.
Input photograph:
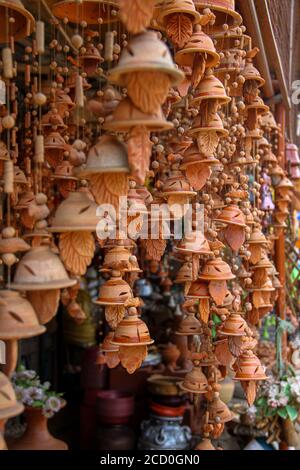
(7, 60)
(40, 37)
(8, 122)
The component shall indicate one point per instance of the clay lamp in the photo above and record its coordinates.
(195, 381)
(127, 116)
(90, 11)
(23, 23)
(132, 337)
(115, 291)
(110, 352)
(9, 407)
(224, 14)
(234, 325)
(18, 320)
(90, 59)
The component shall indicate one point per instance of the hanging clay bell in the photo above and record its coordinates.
(198, 290)
(195, 381)
(91, 11)
(111, 351)
(120, 255)
(224, 12)
(90, 59)
(232, 215)
(210, 88)
(219, 411)
(248, 367)
(208, 134)
(234, 325)
(195, 243)
(18, 319)
(131, 331)
(41, 269)
(63, 102)
(55, 147)
(115, 291)
(189, 325)
(127, 116)
(185, 273)
(200, 43)
(216, 270)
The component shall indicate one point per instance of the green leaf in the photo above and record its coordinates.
(216, 319)
(282, 412)
(292, 412)
(261, 401)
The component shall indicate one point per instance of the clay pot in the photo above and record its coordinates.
(37, 436)
(17, 317)
(234, 325)
(115, 291)
(195, 381)
(23, 24)
(41, 269)
(88, 10)
(9, 406)
(167, 411)
(131, 331)
(114, 407)
(145, 52)
(126, 116)
(199, 43)
(248, 367)
(216, 270)
(109, 155)
(232, 215)
(77, 213)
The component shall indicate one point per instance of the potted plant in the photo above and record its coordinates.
(40, 403)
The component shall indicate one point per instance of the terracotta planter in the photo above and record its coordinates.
(37, 436)
(114, 407)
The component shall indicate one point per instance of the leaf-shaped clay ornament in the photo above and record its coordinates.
(179, 29)
(136, 14)
(198, 175)
(108, 187)
(218, 291)
(114, 314)
(45, 303)
(139, 153)
(131, 357)
(235, 237)
(148, 90)
(208, 142)
(256, 253)
(203, 309)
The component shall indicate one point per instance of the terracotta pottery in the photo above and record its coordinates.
(132, 331)
(257, 237)
(109, 155)
(54, 146)
(167, 411)
(115, 291)
(251, 73)
(9, 407)
(198, 290)
(185, 273)
(192, 156)
(248, 367)
(234, 325)
(64, 171)
(170, 355)
(171, 7)
(23, 24)
(17, 317)
(257, 105)
(210, 88)
(37, 436)
(163, 385)
(292, 154)
(51, 119)
(216, 270)
(145, 53)
(87, 10)
(127, 116)
(114, 407)
(219, 411)
(189, 326)
(77, 213)
(195, 381)
(200, 43)
(232, 215)
(41, 269)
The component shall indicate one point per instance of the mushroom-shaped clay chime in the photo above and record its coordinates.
(91, 11)
(249, 371)
(132, 337)
(217, 272)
